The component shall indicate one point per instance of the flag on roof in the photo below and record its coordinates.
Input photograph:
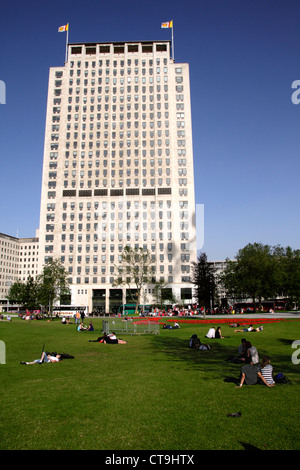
(167, 24)
(63, 28)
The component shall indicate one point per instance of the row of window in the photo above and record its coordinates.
(169, 247)
(127, 236)
(112, 205)
(118, 80)
(110, 280)
(121, 163)
(105, 173)
(118, 63)
(103, 258)
(112, 270)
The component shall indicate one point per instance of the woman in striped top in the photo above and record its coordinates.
(267, 370)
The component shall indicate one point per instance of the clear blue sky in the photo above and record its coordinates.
(243, 56)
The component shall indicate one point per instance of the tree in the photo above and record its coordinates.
(204, 280)
(289, 265)
(31, 294)
(53, 283)
(25, 294)
(16, 293)
(255, 274)
(135, 269)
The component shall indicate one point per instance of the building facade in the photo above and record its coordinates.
(28, 258)
(9, 264)
(18, 261)
(118, 168)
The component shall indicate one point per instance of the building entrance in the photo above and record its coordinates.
(98, 300)
(115, 300)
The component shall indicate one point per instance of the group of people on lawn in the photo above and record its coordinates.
(253, 371)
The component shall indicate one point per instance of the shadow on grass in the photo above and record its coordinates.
(286, 341)
(216, 360)
(249, 446)
(212, 360)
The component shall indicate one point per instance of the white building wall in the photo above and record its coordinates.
(118, 165)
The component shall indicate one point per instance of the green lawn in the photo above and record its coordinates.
(153, 393)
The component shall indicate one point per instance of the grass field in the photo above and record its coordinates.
(152, 393)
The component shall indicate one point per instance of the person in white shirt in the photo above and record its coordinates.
(47, 358)
(211, 333)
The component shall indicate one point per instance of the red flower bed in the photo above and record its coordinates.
(241, 321)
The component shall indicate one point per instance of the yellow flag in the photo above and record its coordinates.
(167, 24)
(63, 28)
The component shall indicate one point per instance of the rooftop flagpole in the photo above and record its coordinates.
(169, 24)
(60, 30)
(67, 40)
(173, 56)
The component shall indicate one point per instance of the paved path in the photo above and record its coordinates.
(238, 316)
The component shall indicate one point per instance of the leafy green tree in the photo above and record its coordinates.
(134, 269)
(53, 283)
(16, 293)
(31, 292)
(205, 281)
(288, 261)
(25, 293)
(255, 274)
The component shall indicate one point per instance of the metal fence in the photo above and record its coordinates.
(138, 327)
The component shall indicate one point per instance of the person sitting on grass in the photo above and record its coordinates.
(195, 343)
(81, 327)
(242, 351)
(211, 333)
(90, 327)
(250, 374)
(253, 353)
(193, 340)
(218, 333)
(267, 370)
(47, 358)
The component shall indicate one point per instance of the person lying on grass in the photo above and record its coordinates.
(108, 339)
(170, 327)
(250, 328)
(47, 358)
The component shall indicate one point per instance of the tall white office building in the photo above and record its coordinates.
(118, 168)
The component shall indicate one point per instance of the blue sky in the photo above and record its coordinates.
(244, 56)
